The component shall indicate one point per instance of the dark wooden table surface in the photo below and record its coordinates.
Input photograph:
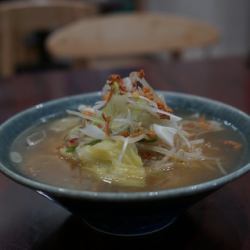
(221, 221)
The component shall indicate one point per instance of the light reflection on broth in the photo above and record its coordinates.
(42, 162)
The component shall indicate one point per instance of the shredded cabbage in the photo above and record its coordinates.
(103, 160)
(130, 128)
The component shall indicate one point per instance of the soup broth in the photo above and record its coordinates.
(130, 140)
(39, 158)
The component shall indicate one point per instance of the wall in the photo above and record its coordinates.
(231, 17)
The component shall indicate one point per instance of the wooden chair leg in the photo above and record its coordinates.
(248, 60)
(176, 55)
(80, 64)
(140, 5)
(7, 66)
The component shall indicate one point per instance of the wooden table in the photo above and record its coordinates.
(221, 221)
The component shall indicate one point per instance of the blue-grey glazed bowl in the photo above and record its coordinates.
(134, 213)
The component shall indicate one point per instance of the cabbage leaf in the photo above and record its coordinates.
(102, 160)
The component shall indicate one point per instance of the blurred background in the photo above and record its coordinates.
(232, 18)
(52, 34)
(56, 48)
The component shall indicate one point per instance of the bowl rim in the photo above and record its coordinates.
(123, 196)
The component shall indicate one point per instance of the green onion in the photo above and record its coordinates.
(93, 142)
(71, 149)
(149, 140)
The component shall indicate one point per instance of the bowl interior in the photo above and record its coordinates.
(20, 122)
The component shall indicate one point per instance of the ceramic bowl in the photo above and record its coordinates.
(134, 213)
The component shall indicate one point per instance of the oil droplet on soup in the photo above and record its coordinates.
(41, 161)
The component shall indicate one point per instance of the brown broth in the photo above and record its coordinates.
(43, 163)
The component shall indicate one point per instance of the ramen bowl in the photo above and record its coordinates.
(124, 213)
